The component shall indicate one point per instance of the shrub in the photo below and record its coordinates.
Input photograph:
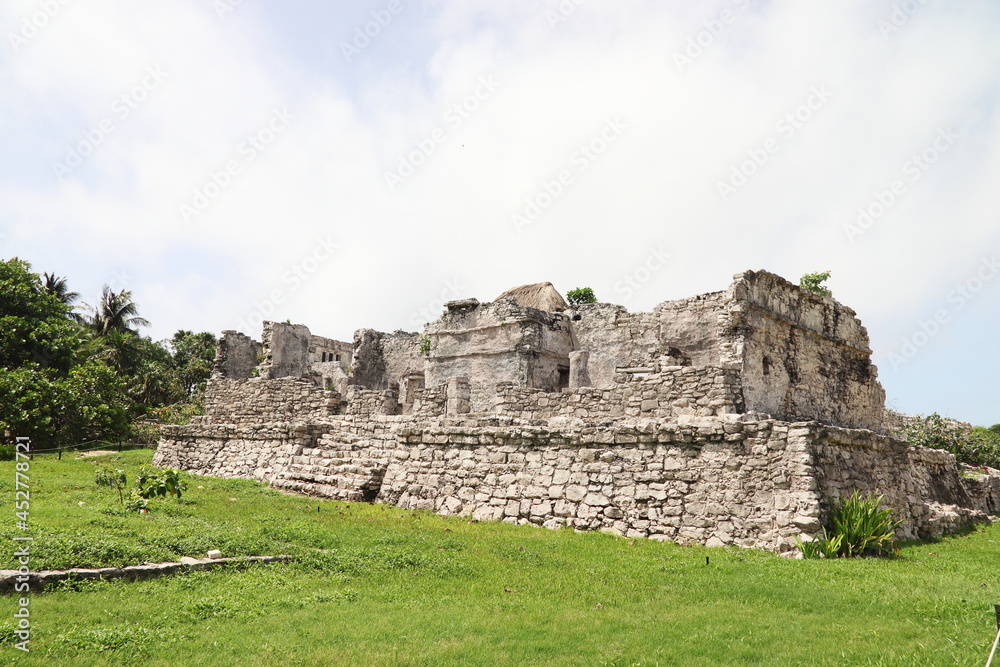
(813, 282)
(580, 295)
(151, 482)
(8, 452)
(857, 527)
(976, 447)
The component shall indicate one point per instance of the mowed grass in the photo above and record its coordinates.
(375, 585)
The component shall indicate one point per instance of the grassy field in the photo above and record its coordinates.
(374, 585)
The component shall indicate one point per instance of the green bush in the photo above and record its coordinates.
(976, 447)
(8, 452)
(580, 295)
(857, 527)
(813, 282)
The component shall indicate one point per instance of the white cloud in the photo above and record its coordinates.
(655, 185)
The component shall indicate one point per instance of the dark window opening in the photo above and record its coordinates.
(767, 365)
(338, 357)
(563, 377)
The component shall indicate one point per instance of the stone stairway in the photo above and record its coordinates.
(341, 466)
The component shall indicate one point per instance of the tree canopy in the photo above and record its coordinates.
(67, 379)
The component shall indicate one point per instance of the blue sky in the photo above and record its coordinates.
(229, 161)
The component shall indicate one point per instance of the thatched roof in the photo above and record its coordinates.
(542, 296)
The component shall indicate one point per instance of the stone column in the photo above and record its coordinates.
(578, 375)
(459, 395)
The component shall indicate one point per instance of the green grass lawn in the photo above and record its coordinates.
(375, 585)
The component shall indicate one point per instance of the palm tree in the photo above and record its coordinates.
(116, 312)
(58, 288)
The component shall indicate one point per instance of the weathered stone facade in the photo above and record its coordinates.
(729, 418)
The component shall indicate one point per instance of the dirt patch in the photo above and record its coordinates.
(97, 452)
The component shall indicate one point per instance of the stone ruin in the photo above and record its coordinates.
(729, 418)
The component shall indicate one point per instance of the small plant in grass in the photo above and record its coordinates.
(580, 295)
(151, 482)
(857, 527)
(115, 479)
(813, 282)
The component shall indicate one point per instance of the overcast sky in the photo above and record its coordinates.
(355, 164)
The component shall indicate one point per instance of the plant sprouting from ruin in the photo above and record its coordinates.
(425, 344)
(580, 295)
(813, 282)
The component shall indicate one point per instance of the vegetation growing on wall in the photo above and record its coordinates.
(580, 295)
(813, 282)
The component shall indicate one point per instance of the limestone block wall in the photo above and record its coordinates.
(803, 356)
(366, 403)
(688, 329)
(498, 342)
(259, 401)
(675, 391)
(286, 350)
(614, 338)
(712, 480)
(430, 401)
(250, 451)
(926, 487)
(236, 355)
(718, 482)
(381, 359)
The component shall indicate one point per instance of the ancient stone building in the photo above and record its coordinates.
(727, 418)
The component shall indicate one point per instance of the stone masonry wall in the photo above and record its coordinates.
(236, 356)
(673, 392)
(365, 403)
(802, 355)
(253, 451)
(709, 480)
(263, 402)
(926, 487)
(718, 482)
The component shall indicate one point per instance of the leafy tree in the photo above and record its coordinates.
(51, 388)
(813, 282)
(193, 356)
(580, 295)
